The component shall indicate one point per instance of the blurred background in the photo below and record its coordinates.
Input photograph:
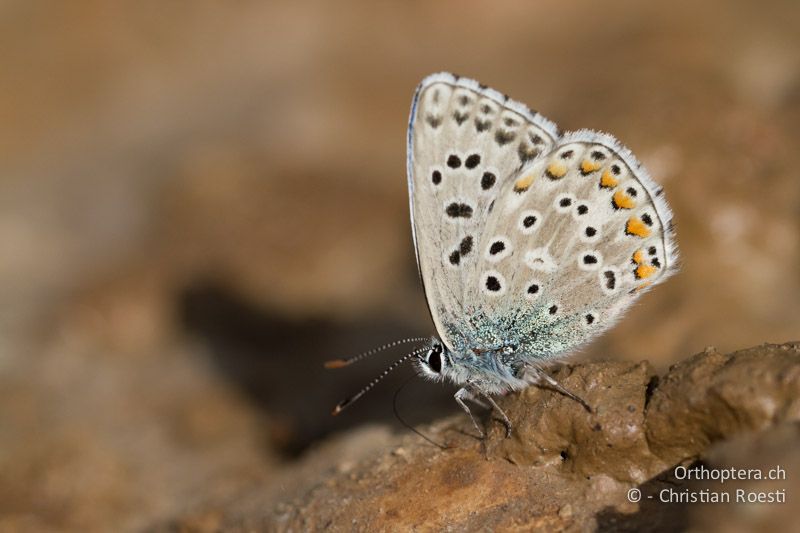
(200, 202)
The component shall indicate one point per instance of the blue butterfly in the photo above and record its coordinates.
(530, 242)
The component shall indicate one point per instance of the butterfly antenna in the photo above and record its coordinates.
(339, 363)
(348, 401)
(406, 424)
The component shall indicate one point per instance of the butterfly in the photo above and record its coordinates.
(530, 242)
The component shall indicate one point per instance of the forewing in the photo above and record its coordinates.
(574, 238)
(466, 143)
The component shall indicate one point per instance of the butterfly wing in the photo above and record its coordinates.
(573, 240)
(465, 144)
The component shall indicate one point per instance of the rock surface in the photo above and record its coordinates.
(563, 468)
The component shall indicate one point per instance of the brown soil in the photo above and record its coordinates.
(563, 469)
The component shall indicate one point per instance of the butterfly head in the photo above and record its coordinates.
(434, 362)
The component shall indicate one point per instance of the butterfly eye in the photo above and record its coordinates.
(435, 361)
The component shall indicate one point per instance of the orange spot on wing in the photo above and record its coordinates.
(524, 183)
(638, 257)
(623, 201)
(587, 167)
(635, 226)
(644, 271)
(556, 171)
(607, 180)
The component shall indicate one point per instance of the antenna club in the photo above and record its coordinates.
(336, 363)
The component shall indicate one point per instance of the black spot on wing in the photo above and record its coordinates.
(497, 247)
(459, 117)
(466, 245)
(458, 210)
(482, 125)
(433, 121)
(472, 161)
(503, 137)
(527, 153)
(488, 180)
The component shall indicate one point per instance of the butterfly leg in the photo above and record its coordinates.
(476, 399)
(537, 376)
(506, 421)
(477, 396)
(465, 394)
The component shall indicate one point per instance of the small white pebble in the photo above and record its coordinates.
(345, 467)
